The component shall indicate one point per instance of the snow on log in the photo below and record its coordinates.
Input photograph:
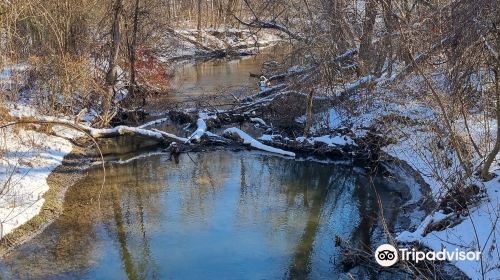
(124, 130)
(107, 132)
(235, 133)
(262, 24)
(348, 54)
(256, 104)
(350, 88)
(259, 121)
(269, 91)
(200, 130)
(329, 140)
(293, 71)
(154, 122)
(171, 136)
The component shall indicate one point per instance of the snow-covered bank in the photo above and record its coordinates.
(28, 158)
(406, 125)
(477, 232)
(189, 43)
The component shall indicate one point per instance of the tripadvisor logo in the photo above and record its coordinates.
(387, 255)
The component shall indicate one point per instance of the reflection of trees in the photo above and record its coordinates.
(130, 209)
(337, 181)
(131, 223)
(205, 176)
(122, 237)
(292, 195)
(371, 220)
(368, 208)
(289, 202)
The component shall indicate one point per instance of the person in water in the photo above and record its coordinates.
(264, 83)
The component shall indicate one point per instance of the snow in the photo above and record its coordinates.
(29, 158)
(243, 40)
(348, 88)
(247, 139)
(172, 136)
(266, 137)
(259, 121)
(154, 122)
(295, 69)
(340, 140)
(462, 236)
(478, 230)
(334, 119)
(201, 128)
(416, 146)
(10, 75)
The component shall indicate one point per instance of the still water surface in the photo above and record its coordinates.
(212, 215)
(216, 77)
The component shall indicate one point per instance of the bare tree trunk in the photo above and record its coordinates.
(309, 113)
(115, 43)
(494, 152)
(111, 76)
(132, 52)
(387, 41)
(198, 26)
(365, 48)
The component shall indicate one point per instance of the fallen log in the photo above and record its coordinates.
(266, 92)
(104, 132)
(199, 132)
(238, 135)
(154, 122)
(171, 136)
(253, 75)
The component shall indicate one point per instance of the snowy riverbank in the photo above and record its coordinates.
(405, 126)
(30, 155)
(189, 43)
(28, 159)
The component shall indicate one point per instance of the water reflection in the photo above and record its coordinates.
(212, 77)
(211, 216)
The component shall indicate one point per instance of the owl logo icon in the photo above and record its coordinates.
(386, 255)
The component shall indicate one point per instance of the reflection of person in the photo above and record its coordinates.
(264, 83)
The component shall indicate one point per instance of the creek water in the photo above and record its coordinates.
(211, 215)
(214, 78)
